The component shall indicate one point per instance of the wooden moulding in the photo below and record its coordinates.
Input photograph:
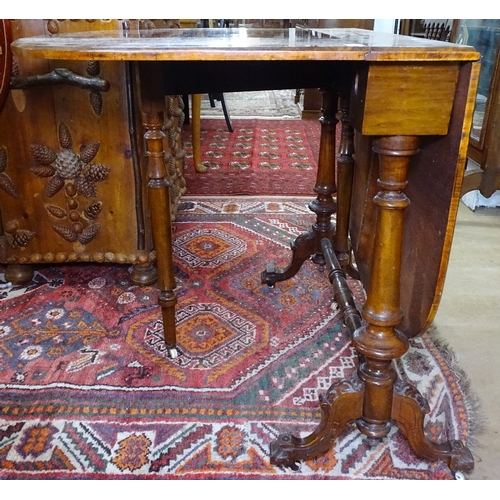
(62, 257)
(404, 99)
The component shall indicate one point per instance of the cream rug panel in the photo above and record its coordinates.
(270, 104)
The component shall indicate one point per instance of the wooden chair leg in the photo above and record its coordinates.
(226, 114)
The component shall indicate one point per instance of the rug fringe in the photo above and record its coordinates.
(477, 418)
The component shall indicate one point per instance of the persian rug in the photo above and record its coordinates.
(260, 156)
(273, 104)
(87, 390)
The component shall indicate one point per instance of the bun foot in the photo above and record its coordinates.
(144, 274)
(19, 274)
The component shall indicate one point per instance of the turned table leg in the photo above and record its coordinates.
(309, 244)
(378, 340)
(374, 397)
(345, 176)
(387, 398)
(152, 108)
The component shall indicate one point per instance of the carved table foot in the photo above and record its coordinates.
(342, 404)
(408, 410)
(302, 248)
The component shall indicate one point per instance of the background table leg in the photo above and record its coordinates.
(309, 244)
(152, 108)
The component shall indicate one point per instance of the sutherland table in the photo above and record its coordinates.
(405, 105)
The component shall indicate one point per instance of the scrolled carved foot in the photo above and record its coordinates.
(342, 403)
(302, 248)
(408, 410)
(269, 276)
(282, 451)
(461, 458)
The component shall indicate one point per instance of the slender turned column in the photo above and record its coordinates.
(152, 108)
(309, 244)
(379, 341)
(345, 175)
(324, 205)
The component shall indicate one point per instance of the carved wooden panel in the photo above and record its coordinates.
(71, 157)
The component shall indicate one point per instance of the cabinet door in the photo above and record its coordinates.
(484, 35)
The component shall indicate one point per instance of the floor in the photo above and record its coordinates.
(468, 321)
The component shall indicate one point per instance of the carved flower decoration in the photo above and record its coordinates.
(68, 165)
(78, 175)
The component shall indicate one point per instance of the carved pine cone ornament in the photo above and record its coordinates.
(85, 187)
(67, 233)
(89, 151)
(20, 238)
(43, 170)
(93, 68)
(43, 154)
(89, 233)
(68, 164)
(97, 172)
(95, 98)
(15, 68)
(56, 211)
(6, 183)
(8, 186)
(65, 139)
(92, 211)
(54, 185)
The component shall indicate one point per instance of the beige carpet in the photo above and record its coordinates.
(271, 104)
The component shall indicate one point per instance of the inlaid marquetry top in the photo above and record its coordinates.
(241, 44)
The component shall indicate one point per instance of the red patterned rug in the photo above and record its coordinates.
(259, 156)
(88, 392)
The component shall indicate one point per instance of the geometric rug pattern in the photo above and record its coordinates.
(260, 156)
(88, 391)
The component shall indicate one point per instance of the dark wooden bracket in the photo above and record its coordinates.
(60, 75)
